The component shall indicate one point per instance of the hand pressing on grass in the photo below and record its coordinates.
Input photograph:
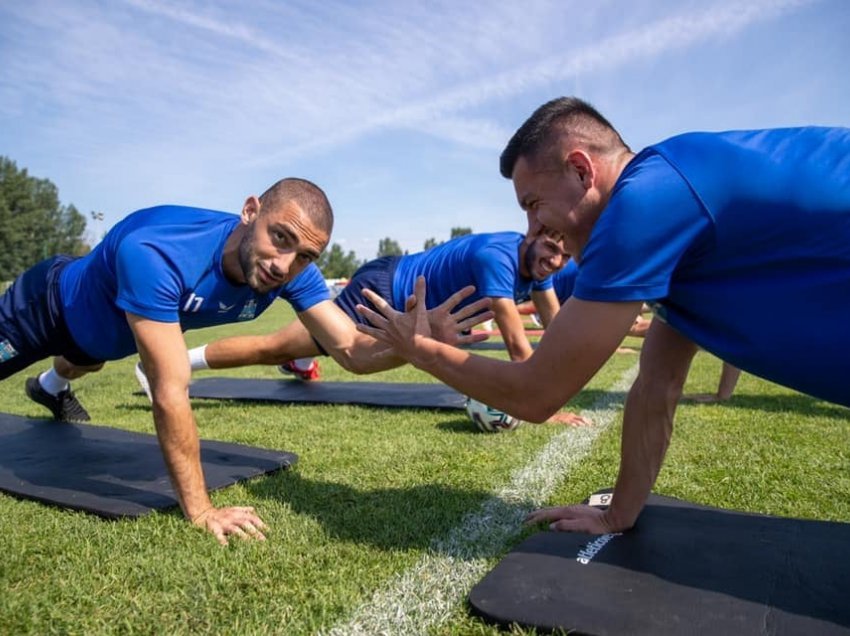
(569, 419)
(576, 518)
(241, 521)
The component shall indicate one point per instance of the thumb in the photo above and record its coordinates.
(419, 292)
(410, 303)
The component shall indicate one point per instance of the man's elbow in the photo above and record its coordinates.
(538, 414)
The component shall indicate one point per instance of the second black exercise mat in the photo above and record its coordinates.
(683, 569)
(109, 471)
(390, 394)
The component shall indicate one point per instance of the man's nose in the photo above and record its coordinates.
(534, 226)
(282, 264)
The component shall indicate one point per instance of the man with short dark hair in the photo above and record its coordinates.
(718, 232)
(158, 272)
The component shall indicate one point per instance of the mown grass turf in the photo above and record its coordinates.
(373, 489)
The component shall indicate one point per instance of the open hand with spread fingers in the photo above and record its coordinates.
(398, 329)
(453, 327)
(240, 521)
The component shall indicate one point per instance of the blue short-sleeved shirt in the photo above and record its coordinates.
(488, 261)
(164, 263)
(741, 240)
(564, 280)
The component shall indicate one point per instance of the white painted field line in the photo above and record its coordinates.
(427, 593)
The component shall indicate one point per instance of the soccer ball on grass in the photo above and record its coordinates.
(488, 419)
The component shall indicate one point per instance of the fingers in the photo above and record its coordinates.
(570, 419)
(472, 338)
(240, 521)
(455, 299)
(469, 323)
(576, 518)
(379, 302)
(375, 332)
(373, 317)
(475, 309)
(419, 291)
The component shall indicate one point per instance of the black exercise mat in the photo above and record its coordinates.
(683, 569)
(108, 471)
(390, 394)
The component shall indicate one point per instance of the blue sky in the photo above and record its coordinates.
(398, 109)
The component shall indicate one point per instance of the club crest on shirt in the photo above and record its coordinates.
(249, 310)
(7, 351)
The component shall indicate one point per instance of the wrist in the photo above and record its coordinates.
(199, 517)
(423, 354)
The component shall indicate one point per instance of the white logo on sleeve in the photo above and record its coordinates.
(223, 309)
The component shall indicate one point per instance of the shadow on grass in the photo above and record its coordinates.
(799, 403)
(197, 405)
(460, 426)
(387, 518)
(795, 403)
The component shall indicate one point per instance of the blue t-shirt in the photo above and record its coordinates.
(164, 263)
(488, 261)
(742, 240)
(564, 280)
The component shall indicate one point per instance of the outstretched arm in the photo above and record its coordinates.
(581, 338)
(647, 428)
(163, 353)
(336, 332)
(512, 330)
(546, 303)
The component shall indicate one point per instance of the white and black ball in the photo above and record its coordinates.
(488, 419)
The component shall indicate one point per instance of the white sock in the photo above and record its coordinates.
(198, 358)
(303, 364)
(52, 382)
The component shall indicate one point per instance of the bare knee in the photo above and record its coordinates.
(73, 371)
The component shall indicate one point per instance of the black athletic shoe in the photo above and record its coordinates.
(64, 406)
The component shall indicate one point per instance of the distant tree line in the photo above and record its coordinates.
(456, 232)
(33, 223)
(336, 263)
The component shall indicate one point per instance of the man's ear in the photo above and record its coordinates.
(583, 166)
(250, 209)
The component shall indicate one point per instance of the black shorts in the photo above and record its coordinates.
(375, 275)
(31, 324)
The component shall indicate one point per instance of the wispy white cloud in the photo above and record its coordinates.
(648, 41)
(304, 78)
(152, 96)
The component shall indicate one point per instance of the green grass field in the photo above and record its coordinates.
(373, 494)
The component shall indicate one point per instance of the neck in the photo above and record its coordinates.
(610, 171)
(230, 256)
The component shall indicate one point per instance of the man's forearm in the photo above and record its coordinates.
(503, 385)
(648, 420)
(647, 428)
(181, 449)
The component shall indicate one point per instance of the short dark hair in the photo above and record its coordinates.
(306, 195)
(569, 115)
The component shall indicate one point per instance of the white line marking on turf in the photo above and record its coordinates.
(429, 592)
